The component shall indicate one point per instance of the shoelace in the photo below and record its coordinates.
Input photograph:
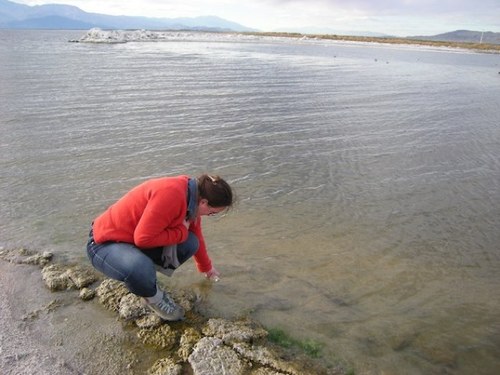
(166, 305)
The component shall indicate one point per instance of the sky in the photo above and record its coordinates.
(392, 17)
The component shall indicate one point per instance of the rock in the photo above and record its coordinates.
(230, 347)
(110, 292)
(267, 357)
(233, 332)
(165, 366)
(131, 307)
(25, 256)
(185, 298)
(39, 259)
(25, 252)
(266, 371)
(188, 340)
(87, 294)
(55, 277)
(60, 277)
(81, 276)
(210, 356)
(435, 352)
(148, 321)
(163, 337)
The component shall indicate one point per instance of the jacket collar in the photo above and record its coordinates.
(192, 199)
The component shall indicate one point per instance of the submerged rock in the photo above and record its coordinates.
(187, 342)
(162, 337)
(267, 357)
(232, 332)
(25, 256)
(148, 321)
(266, 371)
(39, 259)
(218, 346)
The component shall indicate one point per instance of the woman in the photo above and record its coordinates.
(157, 226)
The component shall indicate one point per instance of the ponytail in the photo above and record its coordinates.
(215, 190)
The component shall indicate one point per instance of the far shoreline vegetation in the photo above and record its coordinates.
(482, 47)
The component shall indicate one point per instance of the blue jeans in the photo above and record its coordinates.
(135, 267)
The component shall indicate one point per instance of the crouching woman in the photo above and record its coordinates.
(156, 226)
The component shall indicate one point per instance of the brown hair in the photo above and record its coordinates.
(215, 190)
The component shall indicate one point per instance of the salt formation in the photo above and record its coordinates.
(97, 35)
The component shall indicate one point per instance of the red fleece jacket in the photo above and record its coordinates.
(151, 215)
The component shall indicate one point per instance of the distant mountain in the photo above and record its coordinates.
(49, 22)
(58, 16)
(463, 36)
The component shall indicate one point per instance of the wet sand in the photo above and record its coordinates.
(53, 333)
(46, 328)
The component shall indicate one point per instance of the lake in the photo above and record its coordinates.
(367, 176)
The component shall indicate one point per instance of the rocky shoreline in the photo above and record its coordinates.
(196, 345)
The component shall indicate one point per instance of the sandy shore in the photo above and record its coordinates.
(54, 333)
(47, 328)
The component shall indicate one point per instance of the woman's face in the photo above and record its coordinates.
(204, 209)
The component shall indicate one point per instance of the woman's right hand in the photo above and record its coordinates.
(213, 275)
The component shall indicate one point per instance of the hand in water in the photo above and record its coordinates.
(213, 275)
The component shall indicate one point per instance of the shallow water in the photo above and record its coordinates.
(368, 179)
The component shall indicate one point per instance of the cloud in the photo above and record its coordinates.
(398, 17)
(408, 7)
(395, 17)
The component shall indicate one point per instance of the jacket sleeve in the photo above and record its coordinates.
(161, 223)
(202, 259)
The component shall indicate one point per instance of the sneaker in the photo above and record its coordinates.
(166, 309)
